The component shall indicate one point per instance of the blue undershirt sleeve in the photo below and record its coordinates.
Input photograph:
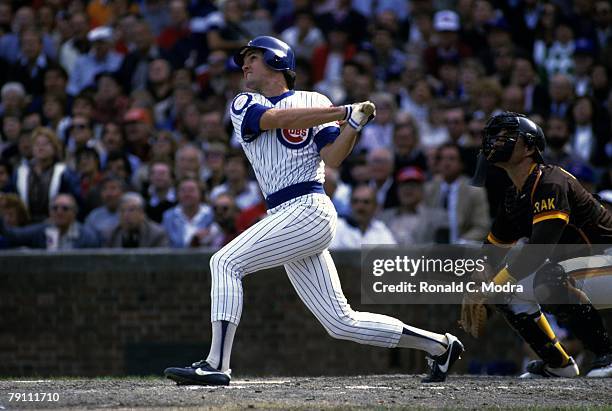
(325, 136)
(250, 122)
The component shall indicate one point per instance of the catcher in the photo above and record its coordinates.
(549, 207)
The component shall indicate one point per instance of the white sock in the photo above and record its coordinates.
(221, 345)
(433, 343)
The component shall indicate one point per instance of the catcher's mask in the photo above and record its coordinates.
(499, 137)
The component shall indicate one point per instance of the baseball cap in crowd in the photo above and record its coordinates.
(137, 115)
(584, 46)
(410, 173)
(446, 20)
(102, 33)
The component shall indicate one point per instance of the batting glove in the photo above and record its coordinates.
(359, 114)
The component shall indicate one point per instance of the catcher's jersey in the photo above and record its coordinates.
(551, 194)
(281, 157)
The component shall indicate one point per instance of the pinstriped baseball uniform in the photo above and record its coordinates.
(301, 217)
(300, 224)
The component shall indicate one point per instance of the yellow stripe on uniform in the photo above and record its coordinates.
(543, 325)
(567, 172)
(551, 215)
(566, 357)
(504, 277)
(535, 185)
(494, 240)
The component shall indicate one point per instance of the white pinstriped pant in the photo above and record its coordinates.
(296, 234)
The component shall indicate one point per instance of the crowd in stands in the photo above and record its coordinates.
(115, 129)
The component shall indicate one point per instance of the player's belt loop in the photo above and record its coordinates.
(293, 191)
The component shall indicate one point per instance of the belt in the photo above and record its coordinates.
(293, 191)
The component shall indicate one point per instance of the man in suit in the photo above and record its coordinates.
(29, 69)
(467, 206)
(133, 72)
(535, 94)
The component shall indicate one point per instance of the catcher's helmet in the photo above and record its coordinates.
(496, 148)
(276, 53)
(516, 125)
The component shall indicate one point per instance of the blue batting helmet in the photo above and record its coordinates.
(276, 53)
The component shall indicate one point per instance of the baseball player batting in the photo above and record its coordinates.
(288, 136)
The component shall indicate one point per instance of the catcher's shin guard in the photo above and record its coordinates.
(536, 331)
(557, 294)
(584, 321)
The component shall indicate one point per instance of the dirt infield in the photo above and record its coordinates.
(388, 391)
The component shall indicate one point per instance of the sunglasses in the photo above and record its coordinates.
(62, 207)
(221, 208)
(79, 126)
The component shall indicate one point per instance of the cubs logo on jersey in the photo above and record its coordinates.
(296, 138)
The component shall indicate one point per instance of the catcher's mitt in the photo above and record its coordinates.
(474, 312)
(473, 315)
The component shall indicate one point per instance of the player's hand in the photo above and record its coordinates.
(359, 114)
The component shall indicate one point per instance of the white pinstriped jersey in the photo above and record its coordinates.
(295, 234)
(281, 157)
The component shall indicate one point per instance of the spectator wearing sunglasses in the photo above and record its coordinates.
(361, 227)
(61, 231)
(80, 136)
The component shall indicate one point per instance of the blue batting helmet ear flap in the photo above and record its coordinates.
(276, 53)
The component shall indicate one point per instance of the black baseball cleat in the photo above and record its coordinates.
(601, 367)
(198, 373)
(539, 369)
(440, 365)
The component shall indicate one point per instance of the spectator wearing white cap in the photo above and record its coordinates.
(100, 59)
(447, 25)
